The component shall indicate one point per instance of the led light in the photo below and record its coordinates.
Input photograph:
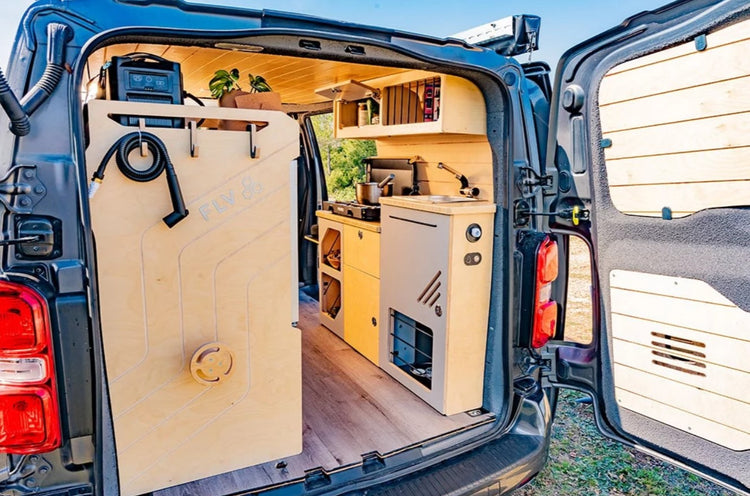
(23, 370)
(22, 319)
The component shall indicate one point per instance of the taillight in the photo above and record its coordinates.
(545, 309)
(29, 418)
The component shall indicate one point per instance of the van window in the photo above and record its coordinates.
(342, 158)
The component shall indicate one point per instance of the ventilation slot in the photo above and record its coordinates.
(429, 295)
(678, 363)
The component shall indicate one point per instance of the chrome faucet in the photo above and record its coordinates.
(466, 190)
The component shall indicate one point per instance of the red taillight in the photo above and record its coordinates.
(545, 309)
(29, 418)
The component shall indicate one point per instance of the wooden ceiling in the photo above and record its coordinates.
(295, 78)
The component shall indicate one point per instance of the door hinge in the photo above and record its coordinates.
(542, 361)
(523, 213)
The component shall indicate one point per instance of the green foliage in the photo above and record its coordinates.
(223, 82)
(342, 159)
(258, 84)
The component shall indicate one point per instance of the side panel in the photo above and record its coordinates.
(223, 275)
(652, 138)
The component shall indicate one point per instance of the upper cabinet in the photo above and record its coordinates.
(410, 103)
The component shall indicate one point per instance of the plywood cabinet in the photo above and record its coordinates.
(362, 250)
(415, 103)
(350, 288)
(361, 321)
(435, 299)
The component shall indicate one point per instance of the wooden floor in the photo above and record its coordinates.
(350, 407)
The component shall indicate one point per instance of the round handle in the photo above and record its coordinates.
(211, 364)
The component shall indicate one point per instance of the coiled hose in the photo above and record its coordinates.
(161, 163)
(19, 121)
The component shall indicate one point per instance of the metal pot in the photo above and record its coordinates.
(370, 193)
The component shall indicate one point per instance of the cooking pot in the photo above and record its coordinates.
(370, 193)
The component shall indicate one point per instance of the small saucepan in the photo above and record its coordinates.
(370, 193)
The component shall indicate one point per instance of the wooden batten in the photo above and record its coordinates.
(678, 121)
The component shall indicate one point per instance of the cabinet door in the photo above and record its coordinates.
(362, 293)
(362, 250)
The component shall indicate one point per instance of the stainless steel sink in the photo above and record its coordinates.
(440, 198)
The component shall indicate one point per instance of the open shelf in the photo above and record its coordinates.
(415, 103)
(330, 249)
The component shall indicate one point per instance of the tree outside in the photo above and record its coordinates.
(342, 158)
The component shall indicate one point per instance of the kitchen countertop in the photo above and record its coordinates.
(369, 225)
(445, 208)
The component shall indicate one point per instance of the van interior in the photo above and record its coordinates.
(258, 331)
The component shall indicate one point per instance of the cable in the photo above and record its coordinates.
(161, 162)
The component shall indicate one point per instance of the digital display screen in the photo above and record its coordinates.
(149, 82)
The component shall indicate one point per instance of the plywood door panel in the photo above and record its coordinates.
(362, 250)
(698, 68)
(678, 122)
(362, 294)
(728, 35)
(679, 349)
(221, 275)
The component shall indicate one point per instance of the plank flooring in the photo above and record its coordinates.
(350, 407)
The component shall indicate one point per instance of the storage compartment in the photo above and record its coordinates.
(412, 102)
(330, 296)
(330, 247)
(411, 346)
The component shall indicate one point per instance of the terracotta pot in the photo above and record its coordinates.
(242, 99)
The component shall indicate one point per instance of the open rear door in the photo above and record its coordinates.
(651, 143)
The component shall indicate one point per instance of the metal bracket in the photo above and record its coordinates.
(316, 478)
(142, 144)
(194, 148)
(254, 150)
(20, 189)
(28, 474)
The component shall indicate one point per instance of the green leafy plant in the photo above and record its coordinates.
(258, 84)
(225, 81)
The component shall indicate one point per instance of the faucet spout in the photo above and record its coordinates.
(466, 189)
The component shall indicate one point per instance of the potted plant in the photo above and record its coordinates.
(225, 87)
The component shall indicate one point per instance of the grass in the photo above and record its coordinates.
(581, 460)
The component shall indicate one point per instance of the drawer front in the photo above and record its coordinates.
(361, 324)
(362, 250)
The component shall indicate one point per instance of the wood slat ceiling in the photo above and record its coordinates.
(295, 78)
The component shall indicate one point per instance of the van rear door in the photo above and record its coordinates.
(650, 142)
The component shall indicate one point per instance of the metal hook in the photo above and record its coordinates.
(141, 143)
(194, 148)
(253, 148)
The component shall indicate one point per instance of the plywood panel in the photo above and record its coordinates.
(678, 122)
(725, 36)
(295, 78)
(471, 157)
(698, 68)
(679, 350)
(223, 274)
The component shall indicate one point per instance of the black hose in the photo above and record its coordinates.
(161, 162)
(19, 121)
(58, 36)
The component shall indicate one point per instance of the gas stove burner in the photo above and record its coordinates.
(352, 209)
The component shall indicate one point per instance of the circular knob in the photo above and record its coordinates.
(211, 364)
(473, 233)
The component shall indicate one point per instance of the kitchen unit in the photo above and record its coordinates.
(349, 280)
(436, 258)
